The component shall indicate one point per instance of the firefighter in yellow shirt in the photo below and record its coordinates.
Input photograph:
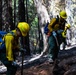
(56, 27)
(7, 56)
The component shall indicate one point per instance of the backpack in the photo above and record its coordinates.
(2, 43)
(46, 30)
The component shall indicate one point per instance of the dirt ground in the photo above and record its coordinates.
(65, 66)
(42, 69)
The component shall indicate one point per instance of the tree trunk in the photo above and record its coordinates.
(7, 19)
(25, 40)
(43, 18)
(1, 15)
(14, 12)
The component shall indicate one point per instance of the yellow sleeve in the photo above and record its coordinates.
(9, 44)
(51, 24)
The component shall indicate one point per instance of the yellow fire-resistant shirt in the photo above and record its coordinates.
(51, 24)
(11, 43)
(54, 26)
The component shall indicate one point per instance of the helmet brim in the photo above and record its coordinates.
(64, 17)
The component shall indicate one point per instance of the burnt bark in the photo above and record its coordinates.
(66, 63)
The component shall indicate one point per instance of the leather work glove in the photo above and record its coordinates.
(15, 64)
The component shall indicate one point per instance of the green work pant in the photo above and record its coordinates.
(53, 48)
(11, 69)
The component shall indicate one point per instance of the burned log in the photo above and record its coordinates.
(66, 63)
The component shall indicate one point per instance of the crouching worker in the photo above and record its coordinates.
(7, 54)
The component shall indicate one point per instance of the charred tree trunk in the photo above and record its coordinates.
(1, 15)
(7, 19)
(21, 10)
(10, 20)
(14, 12)
(25, 40)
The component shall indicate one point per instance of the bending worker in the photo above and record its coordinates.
(7, 54)
(56, 27)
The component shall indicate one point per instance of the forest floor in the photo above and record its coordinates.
(42, 69)
(66, 65)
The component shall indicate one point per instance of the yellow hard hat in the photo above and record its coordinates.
(68, 25)
(23, 27)
(63, 14)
